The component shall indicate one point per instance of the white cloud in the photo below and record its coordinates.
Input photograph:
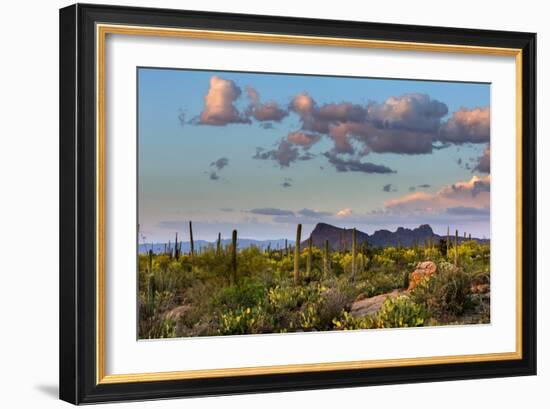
(474, 193)
(346, 212)
(218, 103)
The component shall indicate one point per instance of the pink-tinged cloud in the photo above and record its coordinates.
(219, 108)
(342, 112)
(253, 95)
(306, 108)
(403, 125)
(414, 112)
(484, 162)
(467, 126)
(303, 139)
(472, 194)
(408, 124)
(399, 141)
(341, 136)
(269, 111)
(347, 212)
(302, 104)
(320, 119)
(380, 140)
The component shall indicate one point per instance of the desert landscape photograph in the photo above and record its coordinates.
(283, 203)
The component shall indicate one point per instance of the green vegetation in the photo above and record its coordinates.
(226, 290)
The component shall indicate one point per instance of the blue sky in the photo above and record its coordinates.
(262, 152)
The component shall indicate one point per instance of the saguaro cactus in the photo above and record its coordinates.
(286, 247)
(353, 252)
(151, 289)
(309, 256)
(345, 240)
(219, 245)
(326, 256)
(456, 248)
(448, 239)
(297, 254)
(364, 259)
(234, 257)
(191, 242)
(425, 246)
(177, 250)
(150, 264)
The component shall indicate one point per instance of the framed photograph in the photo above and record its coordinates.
(257, 203)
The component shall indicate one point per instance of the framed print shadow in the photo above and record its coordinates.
(257, 203)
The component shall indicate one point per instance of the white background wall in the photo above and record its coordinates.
(29, 202)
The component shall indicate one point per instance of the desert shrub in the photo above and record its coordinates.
(319, 312)
(384, 261)
(316, 256)
(289, 296)
(208, 265)
(348, 322)
(247, 293)
(400, 312)
(251, 261)
(152, 305)
(163, 328)
(390, 252)
(346, 262)
(201, 292)
(409, 256)
(167, 274)
(309, 307)
(284, 267)
(308, 317)
(336, 263)
(446, 294)
(334, 301)
(172, 279)
(431, 253)
(244, 321)
(162, 261)
(380, 282)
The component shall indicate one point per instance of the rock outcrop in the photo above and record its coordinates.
(370, 306)
(423, 269)
(176, 313)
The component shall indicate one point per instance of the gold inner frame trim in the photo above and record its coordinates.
(101, 33)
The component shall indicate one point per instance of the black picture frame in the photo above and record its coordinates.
(78, 360)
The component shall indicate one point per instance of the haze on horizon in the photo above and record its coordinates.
(262, 152)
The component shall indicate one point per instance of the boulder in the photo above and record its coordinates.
(370, 306)
(480, 285)
(423, 269)
(480, 288)
(176, 313)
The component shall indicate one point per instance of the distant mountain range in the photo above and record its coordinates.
(199, 244)
(338, 238)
